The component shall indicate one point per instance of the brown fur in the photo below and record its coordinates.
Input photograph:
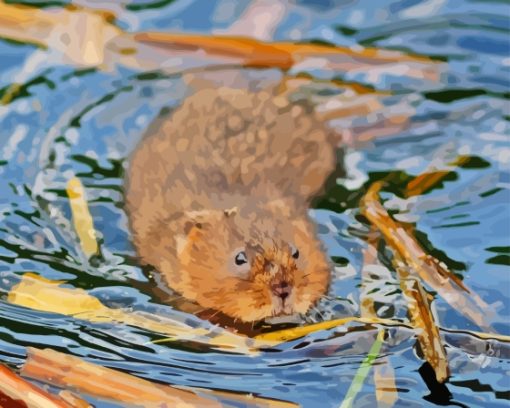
(230, 171)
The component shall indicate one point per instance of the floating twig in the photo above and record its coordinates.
(422, 318)
(410, 260)
(281, 336)
(24, 394)
(425, 266)
(100, 43)
(66, 371)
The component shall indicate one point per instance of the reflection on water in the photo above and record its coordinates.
(66, 122)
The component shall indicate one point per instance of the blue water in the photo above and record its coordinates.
(86, 122)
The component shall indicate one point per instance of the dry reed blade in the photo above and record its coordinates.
(422, 318)
(433, 273)
(41, 294)
(82, 220)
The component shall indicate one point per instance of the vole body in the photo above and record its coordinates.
(217, 196)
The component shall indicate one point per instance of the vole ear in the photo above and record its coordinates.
(197, 219)
(231, 212)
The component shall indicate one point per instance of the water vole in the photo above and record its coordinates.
(217, 196)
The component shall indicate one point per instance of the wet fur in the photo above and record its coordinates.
(232, 170)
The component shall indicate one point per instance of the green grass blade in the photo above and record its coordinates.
(363, 370)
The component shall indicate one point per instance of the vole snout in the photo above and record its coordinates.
(281, 289)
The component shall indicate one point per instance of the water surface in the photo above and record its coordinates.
(84, 123)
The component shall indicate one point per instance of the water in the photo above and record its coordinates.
(69, 122)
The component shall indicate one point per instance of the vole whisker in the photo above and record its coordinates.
(214, 314)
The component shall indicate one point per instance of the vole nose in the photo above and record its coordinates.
(281, 289)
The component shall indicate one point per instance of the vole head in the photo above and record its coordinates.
(249, 264)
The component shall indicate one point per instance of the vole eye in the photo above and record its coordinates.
(294, 251)
(241, 258)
